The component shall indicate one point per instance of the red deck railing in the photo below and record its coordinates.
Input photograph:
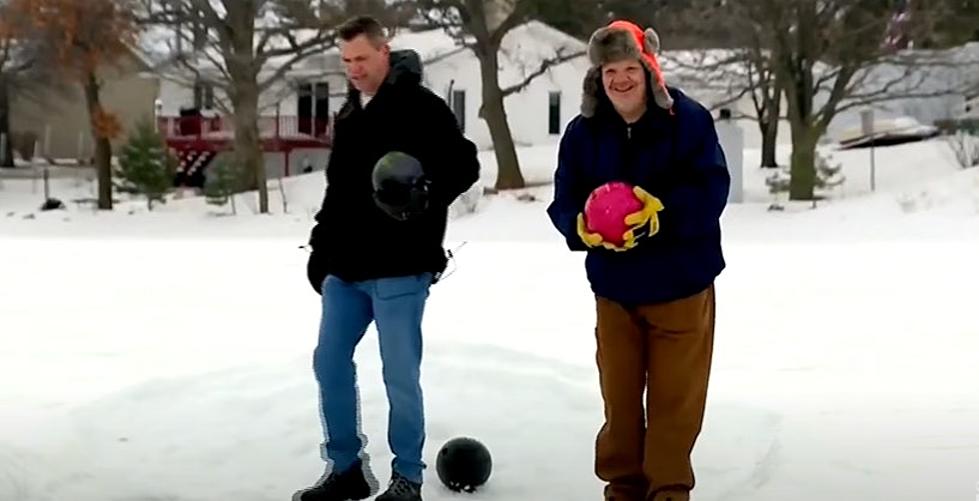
(278, 133)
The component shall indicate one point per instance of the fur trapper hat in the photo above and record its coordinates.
(615, 42)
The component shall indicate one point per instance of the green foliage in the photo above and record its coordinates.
(221, 184)
(145, 167)
(828, 175)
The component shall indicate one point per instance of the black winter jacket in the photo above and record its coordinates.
(355, 240)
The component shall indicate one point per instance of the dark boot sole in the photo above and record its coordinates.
(357, 497)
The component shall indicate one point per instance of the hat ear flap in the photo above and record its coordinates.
(651, 41)
(591, 92)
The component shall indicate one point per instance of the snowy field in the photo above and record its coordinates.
(167, 355)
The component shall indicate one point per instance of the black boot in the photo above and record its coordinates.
(349, 485)
(401, 489)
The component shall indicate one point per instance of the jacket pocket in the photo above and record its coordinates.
(685, 316)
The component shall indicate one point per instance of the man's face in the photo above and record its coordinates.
(366, 63)
(625, 85)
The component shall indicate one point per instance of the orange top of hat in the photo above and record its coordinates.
(640, 39)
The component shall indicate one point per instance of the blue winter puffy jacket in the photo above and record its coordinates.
(677, 158)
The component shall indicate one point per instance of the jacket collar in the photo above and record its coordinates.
(406, 70)
(655, 120)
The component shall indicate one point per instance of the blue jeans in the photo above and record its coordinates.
(396, 305)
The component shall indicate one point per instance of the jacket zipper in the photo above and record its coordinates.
(629, 156)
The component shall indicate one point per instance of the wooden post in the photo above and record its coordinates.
(47, 189)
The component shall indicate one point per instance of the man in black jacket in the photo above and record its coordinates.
(369, 266)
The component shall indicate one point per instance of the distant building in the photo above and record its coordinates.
(56, 116)
(303, 103)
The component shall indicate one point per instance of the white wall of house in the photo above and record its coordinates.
(175, 95)
(528, 111)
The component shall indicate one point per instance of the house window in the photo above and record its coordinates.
(554, 113)
(313, 107)
(459, 107)
(203, 96)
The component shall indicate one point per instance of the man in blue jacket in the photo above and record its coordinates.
(655, 291)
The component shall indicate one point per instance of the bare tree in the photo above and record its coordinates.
(745, 68)
(831, 56)
(724, 77)
(481, 27)
(11, 64)
(80, 39)
(249, 45)
(26, 74)
(834, 55)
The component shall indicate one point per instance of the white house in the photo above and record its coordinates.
(537, 114)
(315, 88)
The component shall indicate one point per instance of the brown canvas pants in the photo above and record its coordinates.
(664, 350)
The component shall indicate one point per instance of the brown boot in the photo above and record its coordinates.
(623, 490)
(671, 496)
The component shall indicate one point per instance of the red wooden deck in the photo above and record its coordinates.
(197, 139)
(277, 133)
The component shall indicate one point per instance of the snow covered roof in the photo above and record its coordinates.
(720, 75)
(529, 43)
(525, 46)
(158, 43)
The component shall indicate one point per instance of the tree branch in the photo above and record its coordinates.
(284, 68)
(515, 19)
(447, 54)
(544, 66)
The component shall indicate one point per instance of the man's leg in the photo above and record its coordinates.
(347, 313)
(621, 358)
(681, 337)
(399, 304)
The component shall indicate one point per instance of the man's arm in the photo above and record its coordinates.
(326, 216)
(452, 163)
(569, 194)
(693, 206)
(318, 264)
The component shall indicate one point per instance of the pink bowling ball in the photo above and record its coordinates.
(606, 209)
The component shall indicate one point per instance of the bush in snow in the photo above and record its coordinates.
(965, 145)
(221, 183)
(829, 175)
(144, 166)
(468, 202)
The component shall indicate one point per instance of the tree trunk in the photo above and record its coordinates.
(800, 92)
(769, 140)
(248, 153)
(103, 148)
(240, 58)
(770, 123)
(7, 155)
(493, 112)
(803, 168)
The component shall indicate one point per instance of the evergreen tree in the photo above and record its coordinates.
(829, 175)
(144, 166)
(221, 183)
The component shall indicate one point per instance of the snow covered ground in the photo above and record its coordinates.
(167, 355)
